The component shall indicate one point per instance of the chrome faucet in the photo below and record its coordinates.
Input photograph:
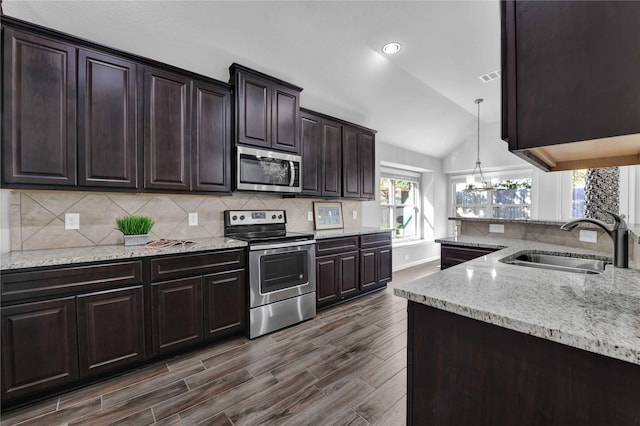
(619, 234)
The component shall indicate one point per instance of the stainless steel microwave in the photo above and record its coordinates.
(272, 171)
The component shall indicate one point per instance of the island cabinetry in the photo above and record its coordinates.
(62, 324)
(463, 371)
(196, 297)
(451, 255)
(351, 266)
(267, 110)
(39, 110)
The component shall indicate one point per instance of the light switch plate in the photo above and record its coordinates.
(193, 219)
(355, 215)
(496, 228)
(72, 221)
(310, 216)
(588, 236)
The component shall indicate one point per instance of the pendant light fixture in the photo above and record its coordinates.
(477, 182)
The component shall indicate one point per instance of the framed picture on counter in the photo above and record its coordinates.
(327, 215)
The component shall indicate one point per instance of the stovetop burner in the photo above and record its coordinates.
(260, 226)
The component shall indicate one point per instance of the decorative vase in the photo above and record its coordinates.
(136, 240)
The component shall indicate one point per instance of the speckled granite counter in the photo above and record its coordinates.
(347, 232)
(35, 258)
(597, 313)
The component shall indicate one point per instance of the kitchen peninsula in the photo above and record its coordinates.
(494, 343)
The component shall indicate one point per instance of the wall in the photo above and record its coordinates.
(36, 218)
(433, 188)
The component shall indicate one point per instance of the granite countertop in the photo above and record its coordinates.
(599, 313)
(347, 232)
(634, 228)
(51, 257)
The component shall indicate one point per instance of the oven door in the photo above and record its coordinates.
(281, 271)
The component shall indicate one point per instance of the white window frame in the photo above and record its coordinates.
(500, 175)
(409, 175)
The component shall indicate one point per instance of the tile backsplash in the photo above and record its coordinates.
(37, 217)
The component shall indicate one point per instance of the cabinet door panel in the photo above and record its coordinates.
(285, 119)
(39, 349)
(176, 314)
(254, 111)
(332, 159)
(350, 163)
(348, 274)
(107, 121)
(367, 158)
(224, 307)
(39, 111)
(211, 135)
(384, 265)
(110, 330)
(368, 269)
(166, 130)
(311, 140)
(327, 280)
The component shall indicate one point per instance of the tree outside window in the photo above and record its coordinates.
(511, 199)
(398, 206)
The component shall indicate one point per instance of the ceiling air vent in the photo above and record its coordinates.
(490, 76)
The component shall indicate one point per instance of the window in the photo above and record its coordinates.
(399, 205)
(578, 182)
(511, 199)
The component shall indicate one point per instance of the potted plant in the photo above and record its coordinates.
(135, 229)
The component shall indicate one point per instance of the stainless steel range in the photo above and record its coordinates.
(282, 269)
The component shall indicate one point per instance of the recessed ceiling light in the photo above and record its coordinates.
(391, 48)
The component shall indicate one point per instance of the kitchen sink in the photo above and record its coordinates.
(577, 265)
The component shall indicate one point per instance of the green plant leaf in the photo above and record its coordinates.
(134, 225)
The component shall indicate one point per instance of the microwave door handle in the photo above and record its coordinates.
(293, 173)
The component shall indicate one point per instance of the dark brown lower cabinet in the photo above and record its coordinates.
(345, 269)
(110, 330)
(223, 298)
(463, 371)
(39, 348)
(454, 255)
(176, 314)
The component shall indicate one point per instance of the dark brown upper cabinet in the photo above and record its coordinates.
(267, 110)
(39, 110)
(358, 163)
(167, 111)
(570, 82)
(107, 130)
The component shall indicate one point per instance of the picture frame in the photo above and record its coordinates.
(327, 215)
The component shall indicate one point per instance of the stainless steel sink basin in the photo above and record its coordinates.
(560, 263)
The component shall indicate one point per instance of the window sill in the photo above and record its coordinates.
(408, 242)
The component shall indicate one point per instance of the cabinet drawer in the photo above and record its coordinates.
(164, 268)
(375, 240)
(336, 245)
(65, 280)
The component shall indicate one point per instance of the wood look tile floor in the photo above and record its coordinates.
(347, 366)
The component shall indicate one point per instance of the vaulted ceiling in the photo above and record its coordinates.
(421, 99)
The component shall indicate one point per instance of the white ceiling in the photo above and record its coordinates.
(421, 99)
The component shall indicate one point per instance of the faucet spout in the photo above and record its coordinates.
(619, 233)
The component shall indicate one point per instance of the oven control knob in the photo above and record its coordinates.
(234, 217)
(242, 217)
(273, 217)
(279, 216)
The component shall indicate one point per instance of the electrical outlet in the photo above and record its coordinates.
(193, 219)
(406, 257)
(310, 216)
(496, 228)
(355, 215)
(72, 221)
(588, 236)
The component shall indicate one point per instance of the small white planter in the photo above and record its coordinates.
(136, 240)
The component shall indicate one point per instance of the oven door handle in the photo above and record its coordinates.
(282, 245)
